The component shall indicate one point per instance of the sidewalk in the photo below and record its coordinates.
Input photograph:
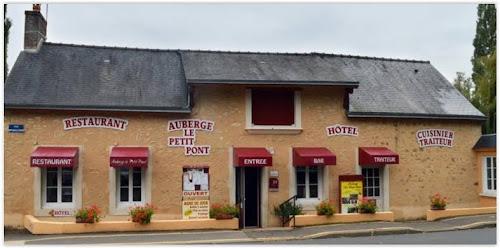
(258, 235)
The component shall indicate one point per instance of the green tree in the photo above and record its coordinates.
(464, 85)
(484, 65)
(6, 24)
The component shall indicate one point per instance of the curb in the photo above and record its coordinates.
(478, 225)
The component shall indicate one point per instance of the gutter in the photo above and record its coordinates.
(353, 84)
(415, 115)
(97, 108)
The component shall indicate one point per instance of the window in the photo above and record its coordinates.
(308, 182)
(130, 186)
(57, 187)
(273, 109)
(371, 187)
(489, 175)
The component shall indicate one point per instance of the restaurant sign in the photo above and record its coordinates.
(94, 121)
(351, 192)
(192, 210)
(435, 137)
(188, 138)
(338, 129)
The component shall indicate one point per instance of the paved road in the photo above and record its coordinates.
(475, 237)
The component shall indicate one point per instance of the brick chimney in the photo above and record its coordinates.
(35, 28)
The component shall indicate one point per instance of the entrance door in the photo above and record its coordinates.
(373, 185)
(248, 195)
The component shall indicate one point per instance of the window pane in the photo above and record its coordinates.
(377, 192)
(489, 184)
(313, 175)
(369, 173)
(301, 175)
(301, 191)
(364, 172)
(377, 181)
(51, 194)
(124, 194)
(136, 178)
(375, 172)
(488, 173)
(51, 177)
(124, 176)
(67, 177)
(137, 194)
(370, 191)
(313, 191)
(364, 191)
(67, 194)
(273, 107)
(370, 182)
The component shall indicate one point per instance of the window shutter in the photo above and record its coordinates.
(273, 107)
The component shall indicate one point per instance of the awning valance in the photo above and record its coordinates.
(54, 157)
(315, 156)
(129, 157)
(252, 157)
(377, 156)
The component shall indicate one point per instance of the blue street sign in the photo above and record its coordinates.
(16, 128)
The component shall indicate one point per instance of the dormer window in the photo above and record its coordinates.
(273, 111)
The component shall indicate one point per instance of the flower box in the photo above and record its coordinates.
(437, 208)
(84, 220)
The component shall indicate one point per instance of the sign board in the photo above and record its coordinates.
(16, 128)
(435, 137)
(341, 130)
(273, 173)
(128, 162)
(94, 121)
(198, 209)
(60, 213)
(194, 194)
(351, 192)
(188, 138)
(273, 184)
(195, 179)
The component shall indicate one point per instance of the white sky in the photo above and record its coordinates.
(441, 33)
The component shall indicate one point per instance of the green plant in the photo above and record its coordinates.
(367, 206)
(325, 208)
(287, 209)
(224, 211)
(142, 214)
(437, 201)
(89, 215)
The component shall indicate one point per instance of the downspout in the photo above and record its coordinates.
(189, 90)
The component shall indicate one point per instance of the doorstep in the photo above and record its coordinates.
(36, 226)
(311, 220)
(439, 214)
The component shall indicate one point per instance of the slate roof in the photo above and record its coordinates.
(486, 141)
(97, 78)
(157, 80)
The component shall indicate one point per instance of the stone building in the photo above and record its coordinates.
(117, 127)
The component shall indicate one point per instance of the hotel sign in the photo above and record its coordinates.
(338, 129)
(435, 137)
(188, 138)
(94, 121)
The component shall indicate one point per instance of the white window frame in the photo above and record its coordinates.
(130, 201)
(308, 200)
(380, 198)
(59, 203)
(115, 208)
(486, 191)
(296, 128)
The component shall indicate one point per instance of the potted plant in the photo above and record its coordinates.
(88, 215)
(287, 210)
(224, 211)
(438, 202)
(367, 206)
(325, 208)
(142, 214)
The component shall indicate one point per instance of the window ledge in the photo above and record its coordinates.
(489, 195)
(273, 130)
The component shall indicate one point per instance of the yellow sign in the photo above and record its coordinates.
(195, 210)
(350, 193)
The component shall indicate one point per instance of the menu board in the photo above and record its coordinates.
(199, 209)
(351, 192)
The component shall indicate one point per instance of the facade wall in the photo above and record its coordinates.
(420, 172)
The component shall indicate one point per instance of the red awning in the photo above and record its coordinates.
(129, 157)
(305, 156)
(54, 157)
(377, 156)
(252, 157)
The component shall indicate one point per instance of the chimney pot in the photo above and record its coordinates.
(36, 7)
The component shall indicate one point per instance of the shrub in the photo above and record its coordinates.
(224, 211)
(437, 201)
(91, 214)
(325, 208)
(367, 206)
(288, 209)
(142, 214)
